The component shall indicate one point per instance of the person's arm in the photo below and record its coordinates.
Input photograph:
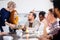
(10, 25)
(45, 26)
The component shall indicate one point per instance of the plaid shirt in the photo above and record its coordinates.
(55, 27)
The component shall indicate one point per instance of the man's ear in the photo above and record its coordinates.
(57, 11)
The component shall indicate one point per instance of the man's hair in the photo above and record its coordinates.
(11, 3)
(56, 4)
(51, 10)
(42, 13)
(33, 14)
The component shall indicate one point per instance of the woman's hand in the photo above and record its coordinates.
(6, 23)
(11, 25)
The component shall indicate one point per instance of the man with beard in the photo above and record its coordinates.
(32, 25)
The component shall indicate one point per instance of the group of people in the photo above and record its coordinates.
(48, 28)
(8, 16)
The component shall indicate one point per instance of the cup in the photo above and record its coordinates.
(19, 33)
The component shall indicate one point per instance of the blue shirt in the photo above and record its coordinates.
(4, 15)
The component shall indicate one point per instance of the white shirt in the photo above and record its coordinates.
(41, 28)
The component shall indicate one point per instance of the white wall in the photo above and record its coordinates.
(3, 3)
(24, 6)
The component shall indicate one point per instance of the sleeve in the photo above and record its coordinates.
(37, 25)
(26, 24)
(41, 28)
(1, 17)
(1, 12)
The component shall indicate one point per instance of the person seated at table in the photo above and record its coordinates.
(13, 20)
(51, 19)
(42, 21)
(31, 24)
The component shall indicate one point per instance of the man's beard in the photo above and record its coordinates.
(29, 19)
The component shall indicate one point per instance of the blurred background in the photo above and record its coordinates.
(25, 6)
